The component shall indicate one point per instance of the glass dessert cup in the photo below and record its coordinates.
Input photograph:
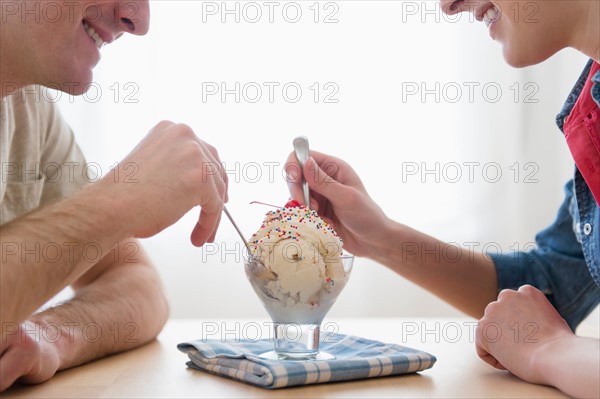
(297, 318)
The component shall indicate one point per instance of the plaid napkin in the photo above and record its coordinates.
(356, 358)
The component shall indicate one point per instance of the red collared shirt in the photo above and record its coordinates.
(582, 131)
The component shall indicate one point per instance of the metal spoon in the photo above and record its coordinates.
(254, 263)
(235, 226)
(302, 153)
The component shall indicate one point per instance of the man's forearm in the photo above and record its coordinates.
(121, 309)
(48, 249)
(465, 279)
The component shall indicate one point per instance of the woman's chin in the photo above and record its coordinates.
(516, 62)
(521, 58)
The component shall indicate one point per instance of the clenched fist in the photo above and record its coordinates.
(26, 356)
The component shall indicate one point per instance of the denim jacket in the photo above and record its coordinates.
(566, 262)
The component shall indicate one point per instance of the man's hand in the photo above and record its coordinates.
(516, 330)
(26, 356)
(168, 173)
(340, 198)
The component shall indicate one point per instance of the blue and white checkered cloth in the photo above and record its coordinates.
(356, 358)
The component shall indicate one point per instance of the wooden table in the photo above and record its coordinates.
(158, 369)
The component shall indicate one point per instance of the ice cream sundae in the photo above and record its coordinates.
(296, 265)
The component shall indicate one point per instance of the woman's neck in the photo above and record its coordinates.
(586, 33)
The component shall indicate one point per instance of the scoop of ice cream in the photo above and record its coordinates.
(303, 253)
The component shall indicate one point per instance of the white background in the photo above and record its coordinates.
(374, 51)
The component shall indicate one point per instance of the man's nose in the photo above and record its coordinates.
(133, 16)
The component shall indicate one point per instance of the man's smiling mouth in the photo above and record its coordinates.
(93, 35)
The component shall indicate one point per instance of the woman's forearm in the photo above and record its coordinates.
(465, 279)
(572, 365)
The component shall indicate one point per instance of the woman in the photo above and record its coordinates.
(535, 339)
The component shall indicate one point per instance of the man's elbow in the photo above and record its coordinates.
(159, 309)
(163, 310)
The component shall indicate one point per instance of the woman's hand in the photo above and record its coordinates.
(516, 330)
(340, 198)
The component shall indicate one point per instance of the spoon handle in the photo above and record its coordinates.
(302, 153)
(235, 226)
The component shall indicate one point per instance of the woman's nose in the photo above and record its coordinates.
(451, 7)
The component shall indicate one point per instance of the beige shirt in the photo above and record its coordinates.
(39, 159)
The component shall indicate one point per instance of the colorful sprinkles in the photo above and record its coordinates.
(296, 216)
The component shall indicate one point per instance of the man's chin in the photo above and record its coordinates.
(75, 86)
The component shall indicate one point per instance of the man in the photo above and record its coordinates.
(520, 329)
(56, 230)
